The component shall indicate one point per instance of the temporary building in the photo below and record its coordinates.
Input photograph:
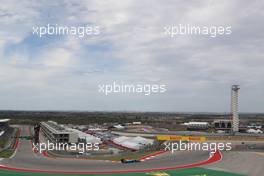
(134, 143)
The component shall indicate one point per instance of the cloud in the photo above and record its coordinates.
(57, 57)
(132, 47)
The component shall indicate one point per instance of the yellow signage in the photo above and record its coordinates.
(181, 138)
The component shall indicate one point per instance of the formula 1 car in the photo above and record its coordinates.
(126, 161)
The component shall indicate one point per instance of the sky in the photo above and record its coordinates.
(63, 72)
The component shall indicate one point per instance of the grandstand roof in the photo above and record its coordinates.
(4, 120)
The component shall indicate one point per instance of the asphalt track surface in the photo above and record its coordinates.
(246, 163)
(25, 158)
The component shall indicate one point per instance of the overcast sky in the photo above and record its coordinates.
(63, 73)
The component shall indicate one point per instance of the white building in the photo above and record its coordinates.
(134, 143)
(57, 133)
(119, 127)
(197, 125)
(136, 123)
(86, 137)
(258, 131)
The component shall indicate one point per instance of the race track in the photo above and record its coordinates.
(26, 159)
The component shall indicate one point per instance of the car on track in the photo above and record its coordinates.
(127, 161)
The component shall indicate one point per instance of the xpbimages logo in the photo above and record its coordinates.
(60, 30)
(187, 29)
(145, 89)
(197, 146)
(72, 147)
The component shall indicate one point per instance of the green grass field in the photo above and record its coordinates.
(180, 172)
(6, 153)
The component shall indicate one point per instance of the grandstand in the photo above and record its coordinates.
(5, 133)
(4, 126)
